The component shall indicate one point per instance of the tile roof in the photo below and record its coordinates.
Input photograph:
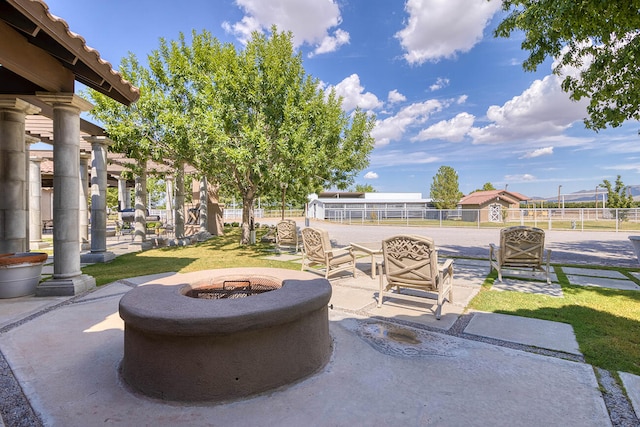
(481, 197)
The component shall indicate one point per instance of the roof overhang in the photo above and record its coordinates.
(38, 53)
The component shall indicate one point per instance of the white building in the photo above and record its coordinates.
(351, 205)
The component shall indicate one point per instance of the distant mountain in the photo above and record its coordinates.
(589, 195)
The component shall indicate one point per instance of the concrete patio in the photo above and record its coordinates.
(394, 365)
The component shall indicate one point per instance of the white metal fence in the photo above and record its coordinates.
(562, 219)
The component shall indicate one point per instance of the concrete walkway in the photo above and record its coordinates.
(394, 365)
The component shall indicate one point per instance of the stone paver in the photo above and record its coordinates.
(529, 274)
(603, 282)
(632, 385)
(535, 332)
(592, 272)
(543, 288)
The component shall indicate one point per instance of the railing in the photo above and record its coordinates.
(580, 219)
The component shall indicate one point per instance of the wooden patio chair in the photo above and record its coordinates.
(412, 262)
(520, 247)
(287, 235)
(317, 251)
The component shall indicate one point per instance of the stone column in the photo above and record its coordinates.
(83, 209)
(67, 276)
(179, 208)
(35, 205)
(124, 198)
(140, 232)
(99, 253)
(203, 234)
(169, 197)
(27, 188)
(13, 175)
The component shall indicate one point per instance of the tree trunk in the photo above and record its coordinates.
(284, 192)
(247, 218)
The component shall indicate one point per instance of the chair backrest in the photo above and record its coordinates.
(522, 246)
(411, 260)
(315, 242)
(286, 232)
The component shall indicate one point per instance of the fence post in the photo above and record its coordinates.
(617, 221)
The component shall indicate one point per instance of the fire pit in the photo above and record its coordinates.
(238, 333)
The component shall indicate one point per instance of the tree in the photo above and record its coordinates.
(250, 120)
(486, 187)
(364, 188)
(598, 38)
(618, 196)
(445, 191)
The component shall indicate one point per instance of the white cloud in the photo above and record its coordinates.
(461, 99)
(547, 151)
(392, 128)
(310, 21)
(354, 96)
(438, 29)
(395, 97)
(371, 175)
(332, 43)
(439, 84)
(452, 130)
(400, 157)
(541, 111)
(520, 178)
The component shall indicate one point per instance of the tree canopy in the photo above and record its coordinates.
(445, 191)
(598, 38)
(250, 119)
(618, 195)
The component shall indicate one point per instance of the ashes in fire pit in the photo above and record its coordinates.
(235, 288)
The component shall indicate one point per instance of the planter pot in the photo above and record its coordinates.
(635, 241)
(20, 273)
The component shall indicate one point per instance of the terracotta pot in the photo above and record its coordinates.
(20, 273)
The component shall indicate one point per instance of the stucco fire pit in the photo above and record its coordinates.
(195, 342)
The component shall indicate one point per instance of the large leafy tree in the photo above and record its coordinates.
(618, 195)
(445, 191)
(250, 120)
(271, 128)
(599, 38)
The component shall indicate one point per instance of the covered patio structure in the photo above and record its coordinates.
(41, 61)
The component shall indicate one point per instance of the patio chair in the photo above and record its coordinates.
(412, 262)
(317, 251)
(287, 235)
(520, 247)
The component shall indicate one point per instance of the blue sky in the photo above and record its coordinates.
(444, 90)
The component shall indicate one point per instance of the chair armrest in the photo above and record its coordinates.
(494, 252)
(447, 266)
(339, 251)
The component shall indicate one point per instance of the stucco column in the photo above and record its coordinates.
(35, 204)
(13, 175)
(140, 231)
(83, 208)
(99, 253)
(67, 276)
(204, 234)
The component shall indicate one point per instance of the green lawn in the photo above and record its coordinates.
(606, 321)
